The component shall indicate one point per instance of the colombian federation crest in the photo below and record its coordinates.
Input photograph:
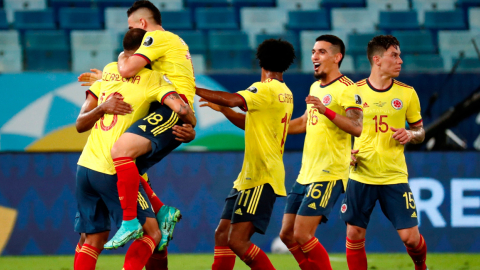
(397, 104)
(327, 99)
(344, 208)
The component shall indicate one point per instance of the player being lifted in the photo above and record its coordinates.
(167, 53)
(380, 172)
(96, 190)
(333, 113)
(248, 207)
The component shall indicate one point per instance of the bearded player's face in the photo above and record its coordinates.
(391, 62)
(323, 58)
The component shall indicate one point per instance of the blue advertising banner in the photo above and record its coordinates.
(38, 205)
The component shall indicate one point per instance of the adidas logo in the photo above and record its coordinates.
(239, 211)
(414, 215)
(365, 105)
(143, 127)
(312, 205)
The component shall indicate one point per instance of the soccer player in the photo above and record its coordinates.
(167, 53)
(380, 172)
(333, 114)
(248, 207)
(96, 191)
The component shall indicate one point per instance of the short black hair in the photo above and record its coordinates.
(148, 5)
(379, 44)
(336, 42)
(133, 39)
(275, 55)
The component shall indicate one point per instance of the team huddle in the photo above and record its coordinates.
(140, 109)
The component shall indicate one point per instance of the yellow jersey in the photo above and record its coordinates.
(168, 54)
(381, 160)
(139, 91)
(269, 107)
(326, 153)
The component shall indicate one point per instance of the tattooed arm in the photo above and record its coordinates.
(415, 135)
(176, 103)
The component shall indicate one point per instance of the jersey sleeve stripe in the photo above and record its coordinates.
(166, 95)
(245, 107)
(417, 122)
(144, 57)
(353, 108)
(89, 92)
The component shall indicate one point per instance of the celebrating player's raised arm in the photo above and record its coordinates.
(129, 66)
(176, 103)
(352, 123)
(221, 98)
(238, 119)
(90, 112)
(298, 125)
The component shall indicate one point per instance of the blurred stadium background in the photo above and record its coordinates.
(46, 44)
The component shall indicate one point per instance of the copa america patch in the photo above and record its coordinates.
(344, 208)
(397, 104)
(166, 79)
(148, 41)
(358, 100)
(252, 89)
(327, 99)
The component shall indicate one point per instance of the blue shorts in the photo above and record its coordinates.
(97, 201)
(315, 199)
(254, 205)
(156, 127)
(396, 201)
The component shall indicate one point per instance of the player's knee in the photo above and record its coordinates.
(301, 237)
(286, 237)
(410, 241)
(156, 235)
(235, 244)
(355, 233)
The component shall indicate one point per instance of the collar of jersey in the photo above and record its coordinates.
(380, 90)
(278, 80)
(322, 86)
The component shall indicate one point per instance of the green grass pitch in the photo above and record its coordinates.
(391, 261)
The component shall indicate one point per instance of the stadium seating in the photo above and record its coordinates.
(216, 19)
(253, 3)
(206, 3)
(116, 20)
(474, 19)
(398, 20)
(415, 42)
(80, 18)
(35, 20)
(176, 20)
(431, 5)
(47, 51)
(168, 4)
(196, 41)
(18, 5)
(362, 64)
(342, 3)
(308, 20)
(229, 50)
(298, 4)
(262, 20)
(198, 61)
(444, 20)
(348, 65)
(468, 64)
(422, 63)
(357, 43)
(452, 43)
(58, 4)
(91, 49)
(11, 57)
(375, 6)
(359, 20)
(3, 19)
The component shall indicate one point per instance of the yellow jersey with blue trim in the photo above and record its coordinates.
(139, 91)
(381, 159)
(326, 153)
(269, 107)
(168, 54)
